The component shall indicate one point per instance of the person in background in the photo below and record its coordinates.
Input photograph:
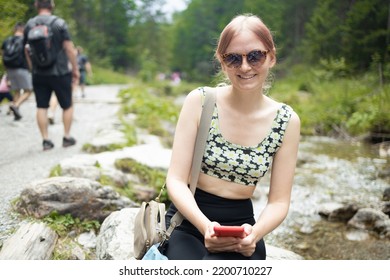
(250, 133)
(57, 78)
(85, 68)
(18, 73)
(53, 104)
(5, 89)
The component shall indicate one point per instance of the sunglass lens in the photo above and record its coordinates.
(233, 60)
(255, 57)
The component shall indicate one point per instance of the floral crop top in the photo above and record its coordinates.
(243, 164)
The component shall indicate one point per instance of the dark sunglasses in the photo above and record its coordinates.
(254, 58)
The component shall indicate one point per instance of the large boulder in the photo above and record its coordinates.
(82, 198)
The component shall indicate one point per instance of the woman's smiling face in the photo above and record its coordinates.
(248, 77)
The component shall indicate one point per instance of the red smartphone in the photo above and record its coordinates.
(234, 231)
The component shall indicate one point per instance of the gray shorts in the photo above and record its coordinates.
(20, 78)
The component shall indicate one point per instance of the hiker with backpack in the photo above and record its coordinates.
(54, 68)
(14, 60)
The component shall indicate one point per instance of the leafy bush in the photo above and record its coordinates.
(107, 76)
(332, 102)
(151, 108)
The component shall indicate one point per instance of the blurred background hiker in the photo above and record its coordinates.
(14, 60)
(85, 69)
(52, 74)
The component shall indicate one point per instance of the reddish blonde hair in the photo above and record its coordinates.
(245, 22)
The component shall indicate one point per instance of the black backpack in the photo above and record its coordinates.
(43, 53)
(13, 52)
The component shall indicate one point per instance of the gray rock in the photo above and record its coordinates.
(275, 253)
(367, 218)
(87, 240)
(382, 227)
(82, 198)
(386, 194)
(334, 211)
(106, 138)
(115, 240)
(386, 208)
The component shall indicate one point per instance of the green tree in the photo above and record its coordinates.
(354, 29)
(196, 31)
(11, 12)
(366, 32)
(148, 35)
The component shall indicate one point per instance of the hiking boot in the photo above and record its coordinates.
(16, 112)
(47, 145)
(66, 142)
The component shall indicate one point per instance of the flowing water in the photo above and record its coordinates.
(332, 171)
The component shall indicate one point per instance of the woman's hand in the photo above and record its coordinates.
(214, 244)
(247, 245)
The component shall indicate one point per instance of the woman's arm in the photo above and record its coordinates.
(282, 175)
(181, 160)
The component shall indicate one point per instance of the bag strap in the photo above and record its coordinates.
(200, 144)
(39, 20)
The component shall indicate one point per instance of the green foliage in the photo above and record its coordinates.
(352, 30)
(56, 171)
(332, 104)
(89, 148)
(149, 67)
(62, 224)
(151, 177)
(103, 75)
(331, 68)
(150, 108)
(196, 31)
(130, 133)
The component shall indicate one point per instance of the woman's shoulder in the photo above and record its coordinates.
(199, 93)
(284, 110)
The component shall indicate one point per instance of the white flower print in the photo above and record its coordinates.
(239, 164)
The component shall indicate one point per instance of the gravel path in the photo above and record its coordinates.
(22, 159)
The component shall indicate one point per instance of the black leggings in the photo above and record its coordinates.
(187, 243)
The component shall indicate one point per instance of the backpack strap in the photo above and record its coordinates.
(200, 144)
(53, 19)
(39, 20)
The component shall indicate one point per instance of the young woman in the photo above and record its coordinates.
(249, 134)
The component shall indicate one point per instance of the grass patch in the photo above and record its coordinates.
(108, 76)
(62, 224)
